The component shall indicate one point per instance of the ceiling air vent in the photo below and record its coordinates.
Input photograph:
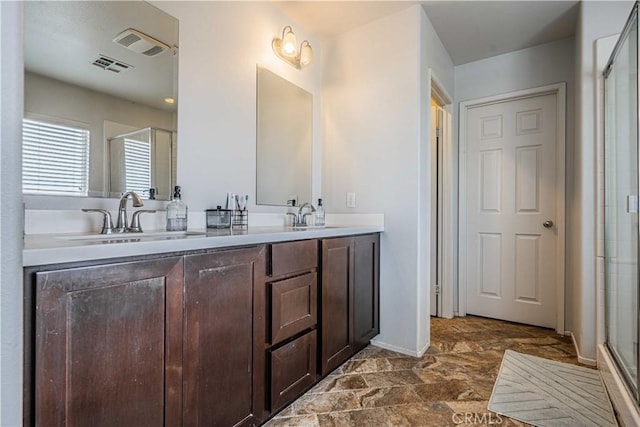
(140, 42)
(110, 64)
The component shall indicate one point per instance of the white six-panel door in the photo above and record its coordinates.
(510, 244)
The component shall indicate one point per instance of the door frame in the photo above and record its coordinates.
(447, 227)
(559, 89)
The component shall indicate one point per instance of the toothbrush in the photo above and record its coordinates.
(246, 201)
(238, 202)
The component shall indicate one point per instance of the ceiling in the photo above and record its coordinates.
(326, 19)
(469, 30)
(473, 30)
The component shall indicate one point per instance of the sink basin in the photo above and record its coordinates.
(134, 236)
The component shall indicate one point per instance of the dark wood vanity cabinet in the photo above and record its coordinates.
(108, 345)
(208, 338)
(349, 297)
(224, 334)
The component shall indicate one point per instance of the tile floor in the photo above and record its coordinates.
(453, 380)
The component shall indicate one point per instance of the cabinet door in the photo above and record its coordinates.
(108, 345)
(337, 306)
(366, 255)
(293, 369)
(294, 304)
(224, 356)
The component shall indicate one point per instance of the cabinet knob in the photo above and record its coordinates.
(547, 224)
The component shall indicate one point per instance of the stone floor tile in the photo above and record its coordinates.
(390, 396)
(286, 412)
(404, 363)
(426, 362)
(326, 402)
(431, 376)
(335, 383)
(366, 365)
(390, 379)
(538, 340)
(302, 421)
(548, 352)
(421, 415)
(447, 390)
(373, 352)
(477, 406)
(359, 418)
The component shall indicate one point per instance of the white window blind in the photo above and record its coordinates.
(55, 159)
(137, 156)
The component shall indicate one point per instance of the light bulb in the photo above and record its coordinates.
(289, 44)
(306, 53)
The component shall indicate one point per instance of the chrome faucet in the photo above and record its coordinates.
(300, 219)
(123, 226)
(107, 225)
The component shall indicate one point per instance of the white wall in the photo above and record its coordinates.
(375, 105)
(527, 68)
(597, 19)
(220, 45)
(523, 69)
(11, 329)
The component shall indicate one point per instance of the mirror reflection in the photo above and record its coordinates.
(102, 69)
(284, 141)
(141, 161)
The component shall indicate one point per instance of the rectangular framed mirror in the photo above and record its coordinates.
(284, 119)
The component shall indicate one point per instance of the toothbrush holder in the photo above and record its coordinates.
(240, 219)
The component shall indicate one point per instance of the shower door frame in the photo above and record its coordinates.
(632, 20)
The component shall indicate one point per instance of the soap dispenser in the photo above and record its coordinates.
(320, 214)
(176, 212)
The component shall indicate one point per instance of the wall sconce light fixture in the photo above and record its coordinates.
(286, 48)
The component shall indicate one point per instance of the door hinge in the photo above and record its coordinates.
(438, 132)
(437, 289)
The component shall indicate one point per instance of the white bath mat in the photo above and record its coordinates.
(547, 393)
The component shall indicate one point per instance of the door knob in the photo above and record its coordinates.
(548, 224)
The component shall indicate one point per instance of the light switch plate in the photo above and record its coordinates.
(351, 200)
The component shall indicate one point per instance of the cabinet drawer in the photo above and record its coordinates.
(293, 306)
(293, 369)
(290, 257)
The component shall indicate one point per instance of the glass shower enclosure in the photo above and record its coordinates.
(142, 160)
(621, 182)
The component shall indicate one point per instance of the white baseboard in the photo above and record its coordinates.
(581, 359)
(402, 350)
(622, 400)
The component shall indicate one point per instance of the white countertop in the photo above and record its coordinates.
(43, 249)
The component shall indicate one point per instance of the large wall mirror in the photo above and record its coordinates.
(284, 141)
(100, 98)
